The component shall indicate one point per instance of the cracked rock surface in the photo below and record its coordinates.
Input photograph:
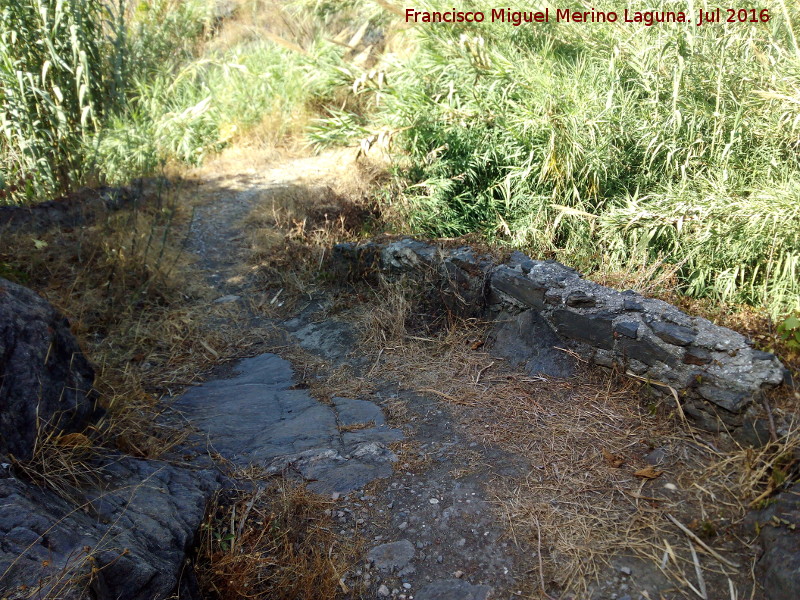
(259, 417)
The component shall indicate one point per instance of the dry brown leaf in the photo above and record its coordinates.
(476, 345)
(615, 460)
(74, 440)
(649, 472)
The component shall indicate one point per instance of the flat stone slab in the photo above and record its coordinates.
(331, 339)
(356, 412)
(453, 589)
(392, 556)
(256, 418)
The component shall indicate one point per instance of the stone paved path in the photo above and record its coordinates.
(433, 537)
(416, 485)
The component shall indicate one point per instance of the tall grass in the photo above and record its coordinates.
(67, 70)
(111, 90)
(193, 112)
(601, 144)
(53, 75)
(266, 70)
(604, 143)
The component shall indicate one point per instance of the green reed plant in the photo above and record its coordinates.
(53, 76)
(68, 70)
(589, 141)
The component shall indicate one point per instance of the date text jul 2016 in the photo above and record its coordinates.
(646, 18)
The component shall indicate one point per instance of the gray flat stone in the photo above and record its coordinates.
(392, 556)
(382, 434)
(355, 412)
(346, 476)
(673, 334)
(256, 418)
(515, 285)
(331, 339)
(453, 589)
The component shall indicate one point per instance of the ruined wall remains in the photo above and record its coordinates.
(717, 373)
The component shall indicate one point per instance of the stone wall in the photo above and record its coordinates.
(717, 373)
(78, 208)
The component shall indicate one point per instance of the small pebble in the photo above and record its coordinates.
(625, 570)
(383, 590)
(434, 501)
(458, 574)
(407, 586)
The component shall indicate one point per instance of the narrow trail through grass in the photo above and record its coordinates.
(549, 463)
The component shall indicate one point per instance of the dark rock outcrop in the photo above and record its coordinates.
(126, 536)
(80, 207)
(716, 371)
(779, 537)
(45, 380)
(128, 539)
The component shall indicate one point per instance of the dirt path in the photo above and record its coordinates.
(461, 477)
(428, 533)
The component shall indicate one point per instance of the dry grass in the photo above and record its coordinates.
(291, 234)
(276, 543)
(324, 381)
(63, 463)
(295, 223)
(587, 496)
(147, 326)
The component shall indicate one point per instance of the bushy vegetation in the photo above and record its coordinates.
(68, 69)
(54, 71)
(610, 146)
(110, 91)
(607, 145)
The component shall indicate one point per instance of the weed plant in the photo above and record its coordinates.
(605, 144)
(53, 75)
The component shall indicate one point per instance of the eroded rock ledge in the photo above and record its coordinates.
(716, 371)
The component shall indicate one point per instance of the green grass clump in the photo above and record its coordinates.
(67, 71)
(602, 144)
(193, 112)
(53, 74)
